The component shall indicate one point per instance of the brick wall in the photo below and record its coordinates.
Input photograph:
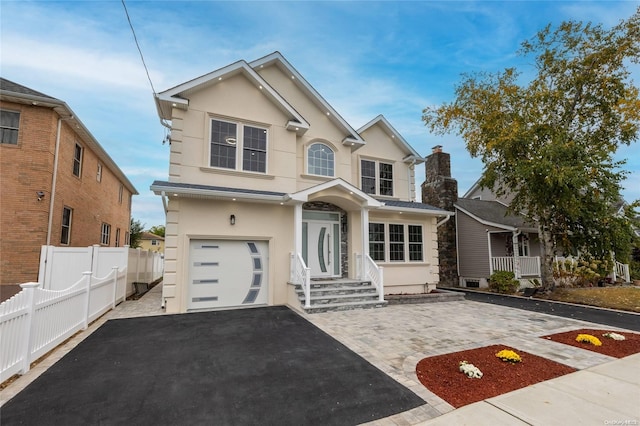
(27, 168)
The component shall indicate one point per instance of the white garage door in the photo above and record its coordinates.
(227, 273)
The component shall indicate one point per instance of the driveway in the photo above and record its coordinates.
(265, 366)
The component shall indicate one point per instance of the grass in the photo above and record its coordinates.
(625, 298)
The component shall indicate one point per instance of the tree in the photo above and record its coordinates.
(135, 233)
(551, 142)
(157, 230)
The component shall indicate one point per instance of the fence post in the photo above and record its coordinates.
(114, 270)
(87, 277)
(29, 288)
(138, 251)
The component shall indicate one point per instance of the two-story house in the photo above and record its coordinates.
(268, 185)
(152, 242)
(59, 186)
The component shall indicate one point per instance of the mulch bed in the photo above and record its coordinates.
(610, 347)
(441, 375)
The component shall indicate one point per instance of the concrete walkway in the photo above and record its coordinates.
(605, 390)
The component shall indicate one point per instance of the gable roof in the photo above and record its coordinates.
(493, 213)
(353, 139)
(149, 236)
(177, 97)
(14, 92)
(380, 120)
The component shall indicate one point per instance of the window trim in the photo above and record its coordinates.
(406, 242)
(77, 159)
(378, 179)
(105, 234)
(308, 157)
(67, 226)
(11, 129)
(239, 145)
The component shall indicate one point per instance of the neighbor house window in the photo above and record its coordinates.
(65, 235)
(127, 238)
(77, 160)
(9, 125)
(376, 177)
(229, 150)
(99, 173)
(376, 241)
(154, 242)
(120, 191)
(105, 234)
(395, 242)
(118, 237)
(320, 160)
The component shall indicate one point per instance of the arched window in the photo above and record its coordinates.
(320, 160)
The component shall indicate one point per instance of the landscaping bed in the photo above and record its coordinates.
(610, 347)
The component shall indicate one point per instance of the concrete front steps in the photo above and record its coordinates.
(340, 295)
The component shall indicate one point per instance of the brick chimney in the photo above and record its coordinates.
(440, 190)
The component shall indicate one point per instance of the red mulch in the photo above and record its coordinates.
(441, 374)
(614, 348)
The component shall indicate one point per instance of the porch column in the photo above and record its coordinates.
(364, 220)
(516, 254)
(297, 228)
(490, 253)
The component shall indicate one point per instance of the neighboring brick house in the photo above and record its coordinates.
(58, 185)
(152, 242)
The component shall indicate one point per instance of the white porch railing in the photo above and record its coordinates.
(301, 274)
(621, 270)
(36, 320)
(370, 271)
(529, 266)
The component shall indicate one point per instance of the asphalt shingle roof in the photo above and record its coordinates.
(492, 211)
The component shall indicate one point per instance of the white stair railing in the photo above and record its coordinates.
(372, 272)
(622, 270)
(300, 274)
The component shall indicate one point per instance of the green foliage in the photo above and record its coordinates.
(157, 230)
(135, 233)
(585, 272)
(551, 142)
(503, 282)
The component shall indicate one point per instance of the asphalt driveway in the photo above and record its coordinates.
(266, 366)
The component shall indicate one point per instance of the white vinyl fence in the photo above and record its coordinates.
(46, 313)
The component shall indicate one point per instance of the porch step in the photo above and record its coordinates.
(340, 295)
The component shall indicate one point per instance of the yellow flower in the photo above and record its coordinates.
(508, 356)
(587, 338)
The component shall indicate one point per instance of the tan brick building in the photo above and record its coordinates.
(58, 186)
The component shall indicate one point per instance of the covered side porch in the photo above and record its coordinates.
(517, 251)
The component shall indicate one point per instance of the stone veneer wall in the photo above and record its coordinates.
(440, 190)
(328, 207)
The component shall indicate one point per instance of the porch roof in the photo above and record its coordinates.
(493, 213)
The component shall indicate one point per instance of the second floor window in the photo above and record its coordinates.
(105, 234)
(9, 124)
(320, 160)
(120, 191)
(376, 177)
(238, 146)
(77, 160)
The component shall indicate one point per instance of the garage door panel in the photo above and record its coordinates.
(227, 273)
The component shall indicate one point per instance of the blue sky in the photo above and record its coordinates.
(365, 58)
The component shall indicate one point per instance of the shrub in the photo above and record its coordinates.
(503, 282)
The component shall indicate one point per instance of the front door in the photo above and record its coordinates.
(321, 243)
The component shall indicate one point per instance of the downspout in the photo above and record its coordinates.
(443, 221)
(163, 196)
(54, 180)
(409, 170)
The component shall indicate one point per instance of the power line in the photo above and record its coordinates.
(138, 46)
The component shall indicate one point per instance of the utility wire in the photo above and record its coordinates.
(138, 46)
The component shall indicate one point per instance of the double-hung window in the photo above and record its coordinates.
(9, 126)
(77, 160)
(395, 242)
(105, 234)
(376, 177)
(65, 236)
(238, 146)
